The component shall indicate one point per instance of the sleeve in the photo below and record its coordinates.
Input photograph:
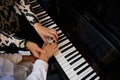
(25, 7)
(39, 71)
(11, 40)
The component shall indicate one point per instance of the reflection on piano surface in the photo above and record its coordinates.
(69, 58)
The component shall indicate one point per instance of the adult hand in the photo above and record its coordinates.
(46, 32)
(34, 48)
(50, 50)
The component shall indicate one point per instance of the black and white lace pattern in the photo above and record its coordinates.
(25, 8)
(10, 40)
(9, 21)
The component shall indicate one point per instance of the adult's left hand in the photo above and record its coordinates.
(46, 32)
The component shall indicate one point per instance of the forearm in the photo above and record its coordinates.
(38, 26)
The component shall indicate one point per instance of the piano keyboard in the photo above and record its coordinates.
(70, 60)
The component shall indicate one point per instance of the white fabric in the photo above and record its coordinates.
(39, 71)
(6, 69)
(15, 58)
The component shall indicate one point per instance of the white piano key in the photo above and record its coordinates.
(61, 35)
(91, 76)
(46, 22)
(43, 16)
(58, 32)
(57, 28)
(48, 17)
(80, 68)
(62, 38)
(49, 23)
(97, 78)
(73, 55)
(58, 54)
(37, 6)
(74, 58)
(43, 12)
(65, 47)
(68, 51)
(75, 65)
(70, 70)
(67, 66)
(62, 60)
(64, 42)
(84, 72)
(73, 77)
(52, 26)
(33, 1)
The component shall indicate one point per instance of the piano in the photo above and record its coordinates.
(93, 28)
(70, 60)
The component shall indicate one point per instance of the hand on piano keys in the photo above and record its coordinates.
(70, 60)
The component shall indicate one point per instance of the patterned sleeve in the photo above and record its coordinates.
(25, 8)
(10, 40)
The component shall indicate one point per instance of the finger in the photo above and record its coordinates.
(41, 50)
(55, 50)
(53, 37)
(36, 54)
(54, 31)
(44, 45)
(53, 34)
(45, 40)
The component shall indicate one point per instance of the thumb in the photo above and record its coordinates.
(45, 40)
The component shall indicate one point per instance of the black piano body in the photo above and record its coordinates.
(93, 27)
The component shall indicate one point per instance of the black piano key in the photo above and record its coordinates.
(67, 48)
(34, 3)
(73, 57)
(60, 34)
(38, 9)
(43, 16)
(60, 37)
(47, 22)
(57, 29)
(59, 41)
(75, 60)
(77, 67)
(70, 53)
(64, 45)
(83, 70)
(87, 75)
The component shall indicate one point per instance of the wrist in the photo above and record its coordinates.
(44, 59)
(27, 45)
(37, 26)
